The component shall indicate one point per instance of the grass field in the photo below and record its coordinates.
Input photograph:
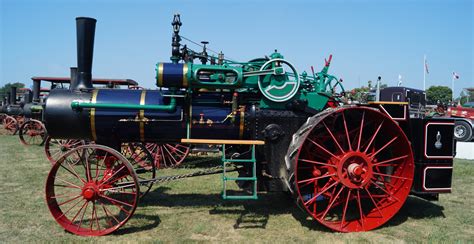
(191, 210)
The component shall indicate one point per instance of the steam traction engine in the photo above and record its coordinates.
(349, 167)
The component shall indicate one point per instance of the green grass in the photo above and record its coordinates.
(191, 210)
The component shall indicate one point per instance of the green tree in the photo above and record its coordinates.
(6, 88)
(438, 93)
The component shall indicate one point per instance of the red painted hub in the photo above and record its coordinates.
(90, 191)
(353, 170)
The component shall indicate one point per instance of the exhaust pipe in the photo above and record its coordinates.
(36, 90)
(8, 98)
(73, 82)
(13, 95)
(85, 29)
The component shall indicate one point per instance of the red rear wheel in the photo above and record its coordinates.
(168, 155)
(32, 132)
(55, 148)
(353, 168)
(92, 190)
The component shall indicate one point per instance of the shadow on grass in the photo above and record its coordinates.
(249, 214)
(416, 208)
(255, 214)
(147, 222)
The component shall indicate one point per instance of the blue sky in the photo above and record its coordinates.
(367, 38)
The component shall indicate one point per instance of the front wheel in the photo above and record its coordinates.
(92, 190)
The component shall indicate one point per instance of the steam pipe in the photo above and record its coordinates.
(167, 108)
(85, 29)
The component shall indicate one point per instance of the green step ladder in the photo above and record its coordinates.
(253, 161)
(252, 178)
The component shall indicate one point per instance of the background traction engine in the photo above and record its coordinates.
(350, 168)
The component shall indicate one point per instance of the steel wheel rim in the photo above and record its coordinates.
(93, 193)
(168, 155)
(143, 164)
(352, 182)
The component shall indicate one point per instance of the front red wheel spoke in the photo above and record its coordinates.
(70, 200)
(113, 175)
(67, 182)
(82, 217)
(116, 201)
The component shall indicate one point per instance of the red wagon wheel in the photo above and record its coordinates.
(10, 125)
(143, 164)
(92, 190)
(168, 155)
(32, 132)
(353, 169)
(55, 148)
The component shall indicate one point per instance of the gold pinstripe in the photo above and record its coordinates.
(141, 116)
(160, 74)
(185, 77)
(92, 115)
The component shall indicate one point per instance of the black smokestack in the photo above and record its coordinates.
(85, 28)
(8, 98)
(73, 83)
(36, 90)
(13, 95)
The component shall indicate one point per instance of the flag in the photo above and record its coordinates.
(426, 67)
(455, 76)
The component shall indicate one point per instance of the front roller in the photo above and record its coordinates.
(351, 168)
(92, 190)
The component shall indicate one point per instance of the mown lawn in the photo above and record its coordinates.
(191, 210)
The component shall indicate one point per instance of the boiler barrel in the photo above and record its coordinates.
(109, 118)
